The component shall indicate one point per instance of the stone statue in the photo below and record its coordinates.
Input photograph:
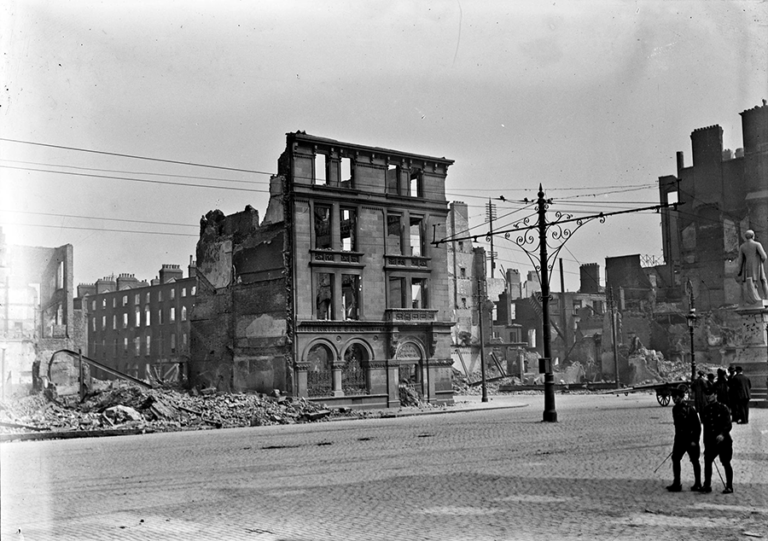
(751, 267)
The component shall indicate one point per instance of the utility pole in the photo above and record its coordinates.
(563, 315)
(545, 364)
(613, 339)
(491, 215)
(560, 230)
(480, 311)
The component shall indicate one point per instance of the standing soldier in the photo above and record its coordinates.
(741, 395)
(687, 433)
(717, 440)
(722, 389)
(697, 390)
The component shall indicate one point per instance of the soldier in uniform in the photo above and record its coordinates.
(687, 433)
(716, 419)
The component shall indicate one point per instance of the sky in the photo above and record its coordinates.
(591, 100)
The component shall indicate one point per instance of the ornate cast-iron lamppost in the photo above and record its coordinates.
(542, 250)
(691, 320)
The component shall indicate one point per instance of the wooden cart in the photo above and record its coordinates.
(664, 390)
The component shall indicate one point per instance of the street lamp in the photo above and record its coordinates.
(691, 320)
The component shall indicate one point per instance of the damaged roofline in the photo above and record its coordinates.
(305, 137)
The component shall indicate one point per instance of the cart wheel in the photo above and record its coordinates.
(663, 399)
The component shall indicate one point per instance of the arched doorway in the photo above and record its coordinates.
(411, 364)
(353, 376)
(319, 371)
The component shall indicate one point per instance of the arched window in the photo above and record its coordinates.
(353, 373)
(320, 371)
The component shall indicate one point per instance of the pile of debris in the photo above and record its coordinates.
(126, 406)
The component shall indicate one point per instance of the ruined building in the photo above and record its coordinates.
(137, 327)
(722, 194)
(337, 294)
(36, 307)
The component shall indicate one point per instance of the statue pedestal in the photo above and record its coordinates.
(752, 350)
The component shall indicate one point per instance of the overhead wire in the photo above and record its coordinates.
(135, 172)
(135, 156)
(131, 179)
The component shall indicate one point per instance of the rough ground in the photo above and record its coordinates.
(122, 405)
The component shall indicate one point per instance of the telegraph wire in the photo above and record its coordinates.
(95, 218)
(105, 230)
(135, 172)
(133, 179)
(136, 157)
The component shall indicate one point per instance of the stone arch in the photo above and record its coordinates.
(411, 356)
(355, 360)
(319, 357)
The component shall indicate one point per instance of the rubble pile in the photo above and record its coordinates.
(124, 406)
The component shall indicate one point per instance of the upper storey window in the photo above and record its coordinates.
(393, 179)
(323, 227)
(415, 184)
(321, 169)
(348, 224)
(417, 237)
(347, 173)
(394, 235)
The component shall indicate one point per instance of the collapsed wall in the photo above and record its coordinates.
(239, 323)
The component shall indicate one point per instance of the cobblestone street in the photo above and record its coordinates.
(494, 473)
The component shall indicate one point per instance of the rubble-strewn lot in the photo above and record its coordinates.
(126, 406)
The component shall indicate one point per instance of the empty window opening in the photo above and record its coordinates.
(324, 296)
(414, 184)
(350, 295)
(419, 293)
(323, 227)
(672, 198)
(394, 233)
(321, 172)
(462, 272)
(396, 293)
(348, 226)
(393, 179)
(347, 173)
(417, 240)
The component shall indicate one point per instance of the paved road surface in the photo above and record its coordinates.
(492, 474)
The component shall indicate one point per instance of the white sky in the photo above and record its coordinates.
(583, 97)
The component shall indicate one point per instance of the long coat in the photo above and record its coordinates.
(751, 265)
(740, 387)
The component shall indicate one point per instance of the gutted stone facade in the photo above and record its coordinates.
(37, 315)
(337, 295)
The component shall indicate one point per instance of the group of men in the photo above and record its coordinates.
(716, 404)
(733, 389)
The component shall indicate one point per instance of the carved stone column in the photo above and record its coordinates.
(301, 379)
(337, 389)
